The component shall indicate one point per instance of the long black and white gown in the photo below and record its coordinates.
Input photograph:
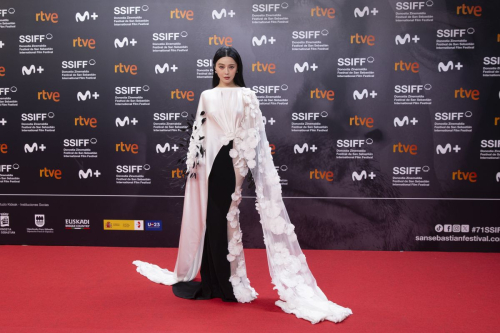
(228, 141)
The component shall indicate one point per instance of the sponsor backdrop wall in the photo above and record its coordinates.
(383, 118)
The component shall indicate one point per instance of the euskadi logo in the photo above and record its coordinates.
(356, 95)
(365, 11)
(297, 149)
(35, 38)
(161, 36)
(135, 10)
(77, 63)
(297, 68)
(403, 170)
(264, 67)
(223, 13)
(51, 173)
(464, 9)
(452, 115)
(467, 93)
(79, 142)
(361, 121)
(269, 89)
(470, 176)
(452, 33)
(323, 94)
(125, 121)
(269, 7)
(407, 38)
(136, 168)
(411, 88)
(34, 147)
(447, 148)
(127, 69)
(363, 39)
(25, 70)
(309, 34)
(86, 121)
(88, 173)
(124, 42)
(404, 121)
(169, 115)
(39, 220)
(323, 175)
(4, 11)
(46, 17)
(182, 14)
(491, 61)
(77, 223)
(256, 41)
(402, 66)
(127, 147)
(413, 5)
(362, 175)
(160, 69)
(36, 116)
(449, 66)
(9, 167)
(131, 90)
(80, 96)
(182, 94)
(308, 115)
(323, 12)
(355, 61)
(405, 148)
(166, 147)
(85, 16)
(356, 143)
(84, 42)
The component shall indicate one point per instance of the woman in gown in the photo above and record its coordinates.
(228, 141)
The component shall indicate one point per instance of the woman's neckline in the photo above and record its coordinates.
(226, 87)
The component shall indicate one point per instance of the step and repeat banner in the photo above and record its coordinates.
(383, 118)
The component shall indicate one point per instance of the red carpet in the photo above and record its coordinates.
(96, 289)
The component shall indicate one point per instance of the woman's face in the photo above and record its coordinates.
(226, 69)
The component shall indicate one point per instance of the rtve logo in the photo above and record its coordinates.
(34, 38)
(130, 10)
(124, 42)
(4, 12)
(449, 66)
(2, 71)
(269, 89)
(406, 66)
(405, 121)
(353, 143)
(3, 148)
(34, 147)
(87, 95)
(165, 147)
(462, 175)
(77, 63)
(463, 93)
(28, 71)
(322, 94)
(402, 148)
(88, 173)
(365, 11)
(85, 16)
(405, 5)
(452, 115)
(272, 7)
(127, 147)
(309, 34)
(305, 66)
(318, 174)
(82, 121)
(363, 39)
(46, 17)
(261, 67)
(179, 94)
(447, 149)
(361, 121)
(50, 173)
(126, 121)
(165, 67)
(305, 148)
(122, 68)
(169, 35)
(356, 95)
(181, 14)
(409, 170)
(406, 39)
(178, 173)
(497, 119)
(362, 175)
(216, 40)
(323, 12)
(84, 42)
(262, 40)
(454, 32)
(49, 96)
(79, 142)
(218, 15)
(354, 61)
(308, 115)
(469, 10)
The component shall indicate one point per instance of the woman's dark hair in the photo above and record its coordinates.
(231, 52)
